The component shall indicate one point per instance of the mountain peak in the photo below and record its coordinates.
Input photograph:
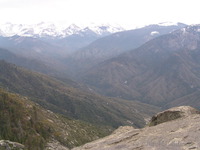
(44, 29)
(168, 23)
(72, 29)
(105, 28)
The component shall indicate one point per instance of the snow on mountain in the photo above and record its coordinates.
(9, 29)
(186, 31)
(51, 30)
(154, 33)
(72, 29)
(168, 23)
(105, 28)
(44, 29)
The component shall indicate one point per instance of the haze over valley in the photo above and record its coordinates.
(99, 75)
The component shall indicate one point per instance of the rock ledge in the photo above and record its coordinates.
(180, 133)
(172, 114)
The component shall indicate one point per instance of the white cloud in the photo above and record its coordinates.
(124, 12)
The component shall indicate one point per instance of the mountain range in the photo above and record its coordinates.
(65, 38)
(73, 102)
(69, 54)
(128, 74)
(51, 30)
(92, 79)
(112, 45)
(163, 71)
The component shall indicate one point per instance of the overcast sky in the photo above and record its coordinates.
(127, 13)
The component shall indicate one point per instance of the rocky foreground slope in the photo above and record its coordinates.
(174, 129)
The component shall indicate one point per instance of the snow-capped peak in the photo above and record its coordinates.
(168, 23)
(40, 29)
(51, 30)
(105, 28)
(72, 29)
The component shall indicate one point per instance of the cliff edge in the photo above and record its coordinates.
(177, 128)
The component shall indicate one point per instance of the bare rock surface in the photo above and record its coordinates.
(172, 114)
(8, 145)
(55, 145)
(180, 133)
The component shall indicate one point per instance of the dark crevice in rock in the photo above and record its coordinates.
(164, 117)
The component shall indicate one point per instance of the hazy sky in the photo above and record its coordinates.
(127, 13)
